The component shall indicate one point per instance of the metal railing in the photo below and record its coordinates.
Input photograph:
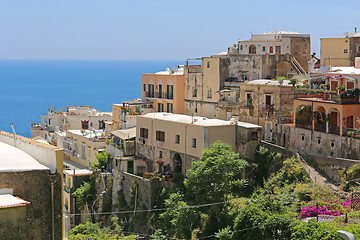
(323, 96)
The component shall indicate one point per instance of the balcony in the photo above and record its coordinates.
(348, 97)
(351, 132)
(161, 95)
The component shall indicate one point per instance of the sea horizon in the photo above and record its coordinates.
(31, 86)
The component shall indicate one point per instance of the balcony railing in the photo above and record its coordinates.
(334, 129)
(247, 105)
(163, 95)
(351, 132)
(269, 108)
(303, 124)
(325, 96)
(321, 127)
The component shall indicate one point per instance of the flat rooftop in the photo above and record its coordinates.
(268, 82)
(196, 120)
(88, 133)
(78, 172)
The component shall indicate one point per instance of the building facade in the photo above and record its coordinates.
(82, 146)
(173, 141)
(165, 89)
(75, 117)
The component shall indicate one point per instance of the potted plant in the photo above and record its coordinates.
(341, 88)
(293, 82)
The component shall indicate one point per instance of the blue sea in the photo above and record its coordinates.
(30, 87)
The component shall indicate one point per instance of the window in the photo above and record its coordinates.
(84, 124)
(252, 49)
(244, 76)
(195, 93)
(101, 124)
(160, 107)
(75, 147)
(358, 48)
(160, 154)
(49, 121)
(278, 49)
(209, 93)
(170, 91)
(91, 124)
(208, 64)
(144, 87)
(345, 51)
(160, 91)
(194, 142)
(264, 49)
(169, 107)
(83, 151)
(241, 47)
(254, 136)
(177, 139)
(89, 152)
(151, 91)
(271, 50)
(144, 132)
(160, 136)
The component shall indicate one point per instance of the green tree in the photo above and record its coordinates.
(179, 219)
(85, 193)
(104, 159)
(216, 175)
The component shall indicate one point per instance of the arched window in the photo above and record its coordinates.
(252, 49)
(271, 50)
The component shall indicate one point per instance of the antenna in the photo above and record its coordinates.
(12, 126)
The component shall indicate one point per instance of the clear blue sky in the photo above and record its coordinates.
(159, 29)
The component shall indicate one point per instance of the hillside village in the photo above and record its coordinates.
(268, 97)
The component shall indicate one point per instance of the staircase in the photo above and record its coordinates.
(297, 66)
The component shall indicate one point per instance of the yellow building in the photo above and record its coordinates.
(174, 141)
(335, 52)
(124, 114)
(81, 146)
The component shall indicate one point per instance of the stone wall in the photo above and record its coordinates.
(305, 141)
(35, 187)
(146, 190)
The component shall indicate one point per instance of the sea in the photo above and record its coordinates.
(30, 87)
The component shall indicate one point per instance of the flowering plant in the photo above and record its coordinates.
(332, 209)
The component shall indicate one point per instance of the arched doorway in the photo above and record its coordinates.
(177, 163)
(334, 121)
(320, 119)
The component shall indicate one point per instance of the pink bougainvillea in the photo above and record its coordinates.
(330, 209)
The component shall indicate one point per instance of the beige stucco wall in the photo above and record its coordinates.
(332, 52)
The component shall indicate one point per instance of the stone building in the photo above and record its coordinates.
(264, 56)
(30, 189)
(263, 102)
(202, 82)
(174, 141)
(276, 53)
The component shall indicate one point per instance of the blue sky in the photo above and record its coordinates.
(158, 29)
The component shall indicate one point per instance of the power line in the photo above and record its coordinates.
(146, 210)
